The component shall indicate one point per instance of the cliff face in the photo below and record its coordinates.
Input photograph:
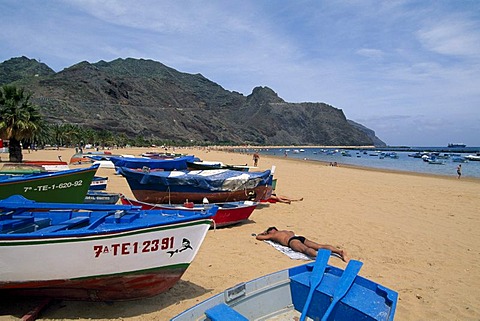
(144, 97)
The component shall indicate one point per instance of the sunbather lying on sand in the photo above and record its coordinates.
(298, 243)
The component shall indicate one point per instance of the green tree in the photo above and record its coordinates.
(19, 119)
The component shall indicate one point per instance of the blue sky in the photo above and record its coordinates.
(410, 70)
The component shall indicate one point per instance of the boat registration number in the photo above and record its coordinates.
(128, 248)
(44, 188)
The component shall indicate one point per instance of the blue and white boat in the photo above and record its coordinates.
(98, 183)
(315, 291)
(472, 157)
(459, 159)
(95, 252)
(166, 164)
(101, 197)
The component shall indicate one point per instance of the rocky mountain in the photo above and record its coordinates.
(19, 68)
(370, 133)
(147, 98)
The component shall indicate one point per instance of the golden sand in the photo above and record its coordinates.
(416, 234)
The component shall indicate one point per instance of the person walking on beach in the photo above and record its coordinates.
(298, 243)
(256, 157)
(459, 170)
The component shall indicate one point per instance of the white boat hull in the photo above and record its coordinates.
(69, 265)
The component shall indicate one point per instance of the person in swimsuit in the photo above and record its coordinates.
(298, 243)
(284, 199)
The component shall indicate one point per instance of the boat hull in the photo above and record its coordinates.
(176, 163)
(68, 186)
(97, 197)
(159, 197)
(200, 165)
(218, 186)
(473, 157)
(228, 213)
(99, 183)
(114, 288)
(51, 166)
(282, 296)
(113, 266)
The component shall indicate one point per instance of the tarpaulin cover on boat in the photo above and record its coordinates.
(212, 180)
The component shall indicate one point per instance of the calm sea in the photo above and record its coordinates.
(375, 159)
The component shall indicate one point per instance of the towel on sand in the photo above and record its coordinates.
(289, 252)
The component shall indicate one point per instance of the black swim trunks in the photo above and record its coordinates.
(300, 238)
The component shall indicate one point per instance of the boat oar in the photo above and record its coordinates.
(345, 283)
(315, 278)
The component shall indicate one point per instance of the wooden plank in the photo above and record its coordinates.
(33, 314)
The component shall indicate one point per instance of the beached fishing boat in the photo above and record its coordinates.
(29, 167)
(228, 214)
(317, 291)
(166, 164)
(95, 252)
(218, 186)
(203, 165)
(50, 166)
(99, 183)
(82, 158)
(100, 197)
(21, 168)
(69, 186)
(160, 155)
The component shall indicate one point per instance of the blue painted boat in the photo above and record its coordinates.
(69, 186)
(315, 290)
(166, 164)
(201, 165)
(99, 183)
(95, 252)
(218, 186)
(101, 197)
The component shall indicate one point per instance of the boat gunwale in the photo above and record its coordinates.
(22, 239)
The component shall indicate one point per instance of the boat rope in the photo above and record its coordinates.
(169, 196)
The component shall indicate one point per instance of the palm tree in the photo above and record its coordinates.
(19, 119)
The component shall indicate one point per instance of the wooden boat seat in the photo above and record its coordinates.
(222, 312)
(12, 223)
(66, 225)
(30, 225)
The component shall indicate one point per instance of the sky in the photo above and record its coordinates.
(407, 69)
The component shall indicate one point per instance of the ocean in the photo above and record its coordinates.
(373, 158)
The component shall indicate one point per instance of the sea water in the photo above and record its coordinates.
(374, 159)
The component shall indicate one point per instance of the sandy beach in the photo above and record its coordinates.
(416, 234)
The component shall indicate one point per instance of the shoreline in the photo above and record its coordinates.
(325, 163)
(382, 170)
(416, 234)
(365, 168)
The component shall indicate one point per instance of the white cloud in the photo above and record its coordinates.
(383, 63)
(455, 36)
(370, 53)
